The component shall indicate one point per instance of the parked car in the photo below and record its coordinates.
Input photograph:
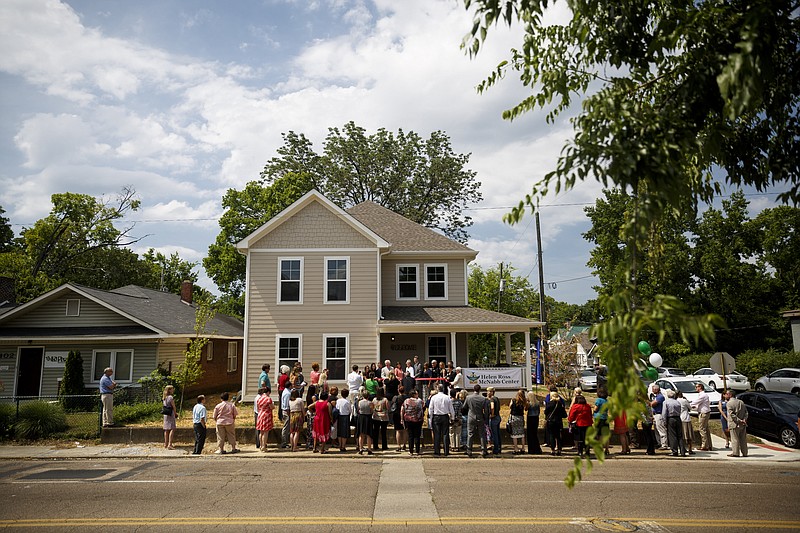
(734, 380)
(783, 380)
(773, 414)
(687, 386)
(670, 371)
(588, 380)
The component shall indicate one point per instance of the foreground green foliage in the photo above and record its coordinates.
(671, 91)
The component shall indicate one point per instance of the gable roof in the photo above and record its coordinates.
(160, 312)
(403, 234)
(311, 196)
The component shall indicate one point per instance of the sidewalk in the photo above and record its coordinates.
(765, 452)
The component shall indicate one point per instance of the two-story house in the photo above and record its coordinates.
(356, 286)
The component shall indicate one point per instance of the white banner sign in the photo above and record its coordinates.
(501, 378)
(55, 359)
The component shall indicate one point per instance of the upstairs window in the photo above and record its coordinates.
(290, 280)
(337, 276)
(435, 282)
(407, 282)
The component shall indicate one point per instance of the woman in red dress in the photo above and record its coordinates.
(322, 422)
(264, 423)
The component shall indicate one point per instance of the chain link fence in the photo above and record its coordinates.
(59, 417)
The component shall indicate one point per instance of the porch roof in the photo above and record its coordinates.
(459, 319)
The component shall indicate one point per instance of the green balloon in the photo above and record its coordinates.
(651, 373)
(644, 348)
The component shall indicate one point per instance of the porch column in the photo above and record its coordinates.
(453, 355)
(527, 380)
(508, 349)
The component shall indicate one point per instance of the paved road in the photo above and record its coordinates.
(374, 494)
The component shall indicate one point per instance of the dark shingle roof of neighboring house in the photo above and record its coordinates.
(160, 311)
(471, 318)
(403, 234)
(165, 311)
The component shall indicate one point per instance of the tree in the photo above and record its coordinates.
(166, 273)
(671, 92)
(662, 261)
(72, 382)
(732, 277)
(6, 233)
(422, 179)
(189, 371)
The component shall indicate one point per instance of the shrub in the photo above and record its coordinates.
(137, 412)
(39, 419)
(8, 412)
(757, 363)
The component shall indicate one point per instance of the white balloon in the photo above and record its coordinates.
(655, 359)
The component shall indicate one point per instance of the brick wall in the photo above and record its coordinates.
(216, 377)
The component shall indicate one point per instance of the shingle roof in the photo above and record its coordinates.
(403, 234)
(448, 317)
(164, 311)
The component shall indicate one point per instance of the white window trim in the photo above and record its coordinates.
(78, 312)
(397, 280)
(302, 275)
(113, 363)
(235, 357)
(446, 276)
(326, 280)
(209, 350)
(325, 337)
(278, 337)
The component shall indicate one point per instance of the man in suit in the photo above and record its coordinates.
(478, 413)
(737, 423)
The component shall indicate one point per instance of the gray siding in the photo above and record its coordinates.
(144, 362)
(455, 281)
(313, 318)
(54, 314)
(173, 352)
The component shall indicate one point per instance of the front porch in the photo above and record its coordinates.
(442, 333)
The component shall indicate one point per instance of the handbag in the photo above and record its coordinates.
(166, 410)
(508, 425)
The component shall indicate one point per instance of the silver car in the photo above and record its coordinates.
(734, 380)
(783, 380)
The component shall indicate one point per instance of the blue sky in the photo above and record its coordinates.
(182, 100)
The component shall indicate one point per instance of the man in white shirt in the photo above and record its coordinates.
(442, 413)
(354, 382)
(703, 406)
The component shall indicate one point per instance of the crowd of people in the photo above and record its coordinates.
(319, 417)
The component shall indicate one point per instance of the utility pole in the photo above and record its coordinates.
(500, 286)
(542, 306)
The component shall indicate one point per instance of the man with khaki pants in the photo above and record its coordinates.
(703, 406)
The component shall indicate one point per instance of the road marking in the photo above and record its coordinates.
(648, 524)
(65, 481)
(403, 486)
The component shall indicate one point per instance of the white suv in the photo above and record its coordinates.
(783, 380)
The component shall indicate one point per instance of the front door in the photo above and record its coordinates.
(29, 371)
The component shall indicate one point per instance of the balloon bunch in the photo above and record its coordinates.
(655, 359)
